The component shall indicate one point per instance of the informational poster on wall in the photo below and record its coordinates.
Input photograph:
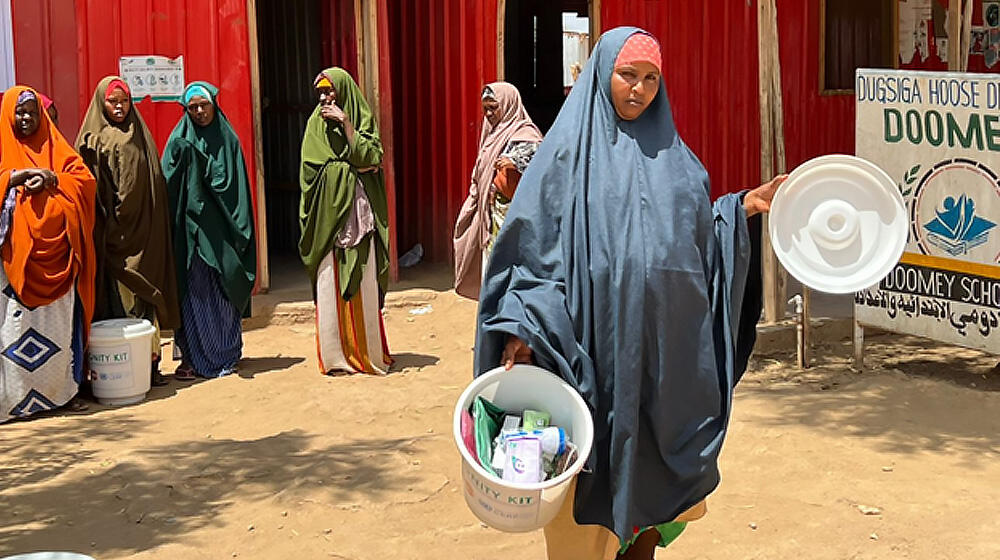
(938, 136)
(157, 77)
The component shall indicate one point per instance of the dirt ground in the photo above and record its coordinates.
(902, 461)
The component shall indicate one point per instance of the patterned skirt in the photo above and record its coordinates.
(41, 353)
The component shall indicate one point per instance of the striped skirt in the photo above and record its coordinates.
(350, 335)
(211, 335)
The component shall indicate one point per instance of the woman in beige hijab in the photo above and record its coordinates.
(506, 145)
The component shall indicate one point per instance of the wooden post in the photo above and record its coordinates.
(383, 84)
(780, 282)
(859, 347)
(263, 264)
(963, 53)
(359, 42)
(595, 22)
(954, 34)
(772, 149)
(501, 40)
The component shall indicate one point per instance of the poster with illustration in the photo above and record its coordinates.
(977, 40)
(938, 135)
(914, 16)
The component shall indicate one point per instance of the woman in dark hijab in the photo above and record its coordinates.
(615, 270)
(135, 260)
(214, 240)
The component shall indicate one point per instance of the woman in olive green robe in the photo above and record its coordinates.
(345, 227)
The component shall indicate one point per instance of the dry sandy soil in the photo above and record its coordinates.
(280, 462)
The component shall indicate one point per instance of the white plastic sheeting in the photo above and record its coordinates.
(6, 46)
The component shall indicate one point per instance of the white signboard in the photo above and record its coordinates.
(158, 77)
(938, 135)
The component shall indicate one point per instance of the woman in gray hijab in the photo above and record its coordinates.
(616, 271)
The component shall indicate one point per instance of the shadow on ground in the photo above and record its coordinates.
(407, 360)
(914, 396)
(251, 367)
(159, 494)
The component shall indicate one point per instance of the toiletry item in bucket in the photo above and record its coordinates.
(536, 420)
(511, 424)
(524, 460)
(553, 439)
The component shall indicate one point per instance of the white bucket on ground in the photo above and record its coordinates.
(120, 355)
(516, 507)
(48, 556)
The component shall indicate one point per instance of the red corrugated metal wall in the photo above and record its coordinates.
(710, 68)
(211, 34)
(815, 124)
(45, 50)
(711, 74)
(340, 40)
(443, 52)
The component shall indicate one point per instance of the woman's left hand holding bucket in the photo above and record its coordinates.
(515, 352)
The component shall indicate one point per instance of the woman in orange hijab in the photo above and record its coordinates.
(47, 278)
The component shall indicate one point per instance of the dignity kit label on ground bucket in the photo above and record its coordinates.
(112, 365)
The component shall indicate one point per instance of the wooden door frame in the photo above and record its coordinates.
(264, 276)
(371, 26)
(369, 17)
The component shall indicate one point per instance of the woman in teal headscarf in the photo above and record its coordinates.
(213, 230)
(345, 227)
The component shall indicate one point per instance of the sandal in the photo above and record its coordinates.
(184, 373)
(158, 380)
(76, 404)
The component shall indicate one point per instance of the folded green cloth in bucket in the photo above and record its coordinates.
(487, 418)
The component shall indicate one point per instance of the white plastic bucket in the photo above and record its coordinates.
(120, 354)
(48, 556)
(516, 507)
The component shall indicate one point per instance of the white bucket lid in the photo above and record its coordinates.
(120, 328)
(838, 224)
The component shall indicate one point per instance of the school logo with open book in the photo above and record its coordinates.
(955, 210)
(956, 229)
